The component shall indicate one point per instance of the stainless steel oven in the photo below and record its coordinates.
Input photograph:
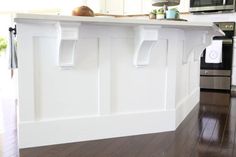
(215, 77)
(211, 5)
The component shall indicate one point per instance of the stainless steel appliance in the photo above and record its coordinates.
(215, 78)
(211, 5)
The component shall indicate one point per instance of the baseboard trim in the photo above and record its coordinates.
(186, 106)
(59, 131)
(33, 134)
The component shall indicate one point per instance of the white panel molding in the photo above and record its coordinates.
(30, 111)
(94, 127)
(90, 120)
(174, 38)
(104, 84)
(26, 74)
(184, 107)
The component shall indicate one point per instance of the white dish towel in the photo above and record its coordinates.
(214, 52)
(13, 62)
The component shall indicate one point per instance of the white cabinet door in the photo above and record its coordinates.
(94, 5)
(184, 6)
(147, 6)
(115, 7)
(126, 6)
(132, 6)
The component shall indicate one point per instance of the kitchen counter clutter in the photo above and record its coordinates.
(86, 78)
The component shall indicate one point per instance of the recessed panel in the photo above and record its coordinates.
(65, 93)
(137, 89)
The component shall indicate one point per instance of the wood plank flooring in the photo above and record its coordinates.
(208, 131)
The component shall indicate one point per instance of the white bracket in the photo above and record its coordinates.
(67, 41)
(195, 42)
(145, 38)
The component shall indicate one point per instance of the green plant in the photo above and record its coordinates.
(3, 45)
(154, 12)
(160, 11)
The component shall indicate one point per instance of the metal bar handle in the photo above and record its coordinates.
(224, 2)
(13, 30)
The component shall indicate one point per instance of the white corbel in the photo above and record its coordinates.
(67, 43)
(196, 41)
(145, 38)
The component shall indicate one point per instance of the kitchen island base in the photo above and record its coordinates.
(92, 78)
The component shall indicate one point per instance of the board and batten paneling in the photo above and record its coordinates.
(111, 89)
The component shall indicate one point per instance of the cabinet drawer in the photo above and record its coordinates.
(215, 83)
(214, 98)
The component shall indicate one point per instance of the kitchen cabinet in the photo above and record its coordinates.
(105, 86)
(114, 7)
(125, 7)
(133, 7)
(184, 6)
(105, 89)
(94, 5)
(147, 6)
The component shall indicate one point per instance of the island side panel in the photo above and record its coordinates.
(66, 104)
(187, 89)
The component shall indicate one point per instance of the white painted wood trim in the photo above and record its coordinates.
(97, 127)
(26, 70)
(145, 39)
(67, 43)
(104, 75)
(35, 18)
(195, 42)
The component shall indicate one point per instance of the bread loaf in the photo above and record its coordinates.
(83, 11)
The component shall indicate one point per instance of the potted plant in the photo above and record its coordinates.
(152, 15)
(3, 45)
(172, 13)
(160, 13)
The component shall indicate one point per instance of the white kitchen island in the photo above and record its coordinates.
(86, 78)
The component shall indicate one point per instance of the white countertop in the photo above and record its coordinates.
(116, 21)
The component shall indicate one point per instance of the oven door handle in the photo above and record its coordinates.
(224, 2)
(227, 41)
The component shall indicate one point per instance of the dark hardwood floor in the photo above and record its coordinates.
(208, 131)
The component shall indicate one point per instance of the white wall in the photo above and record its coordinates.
(8, 139)
(124, 7)
(64, 7)
(210, 17)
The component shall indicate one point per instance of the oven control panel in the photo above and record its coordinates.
(226, 26)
